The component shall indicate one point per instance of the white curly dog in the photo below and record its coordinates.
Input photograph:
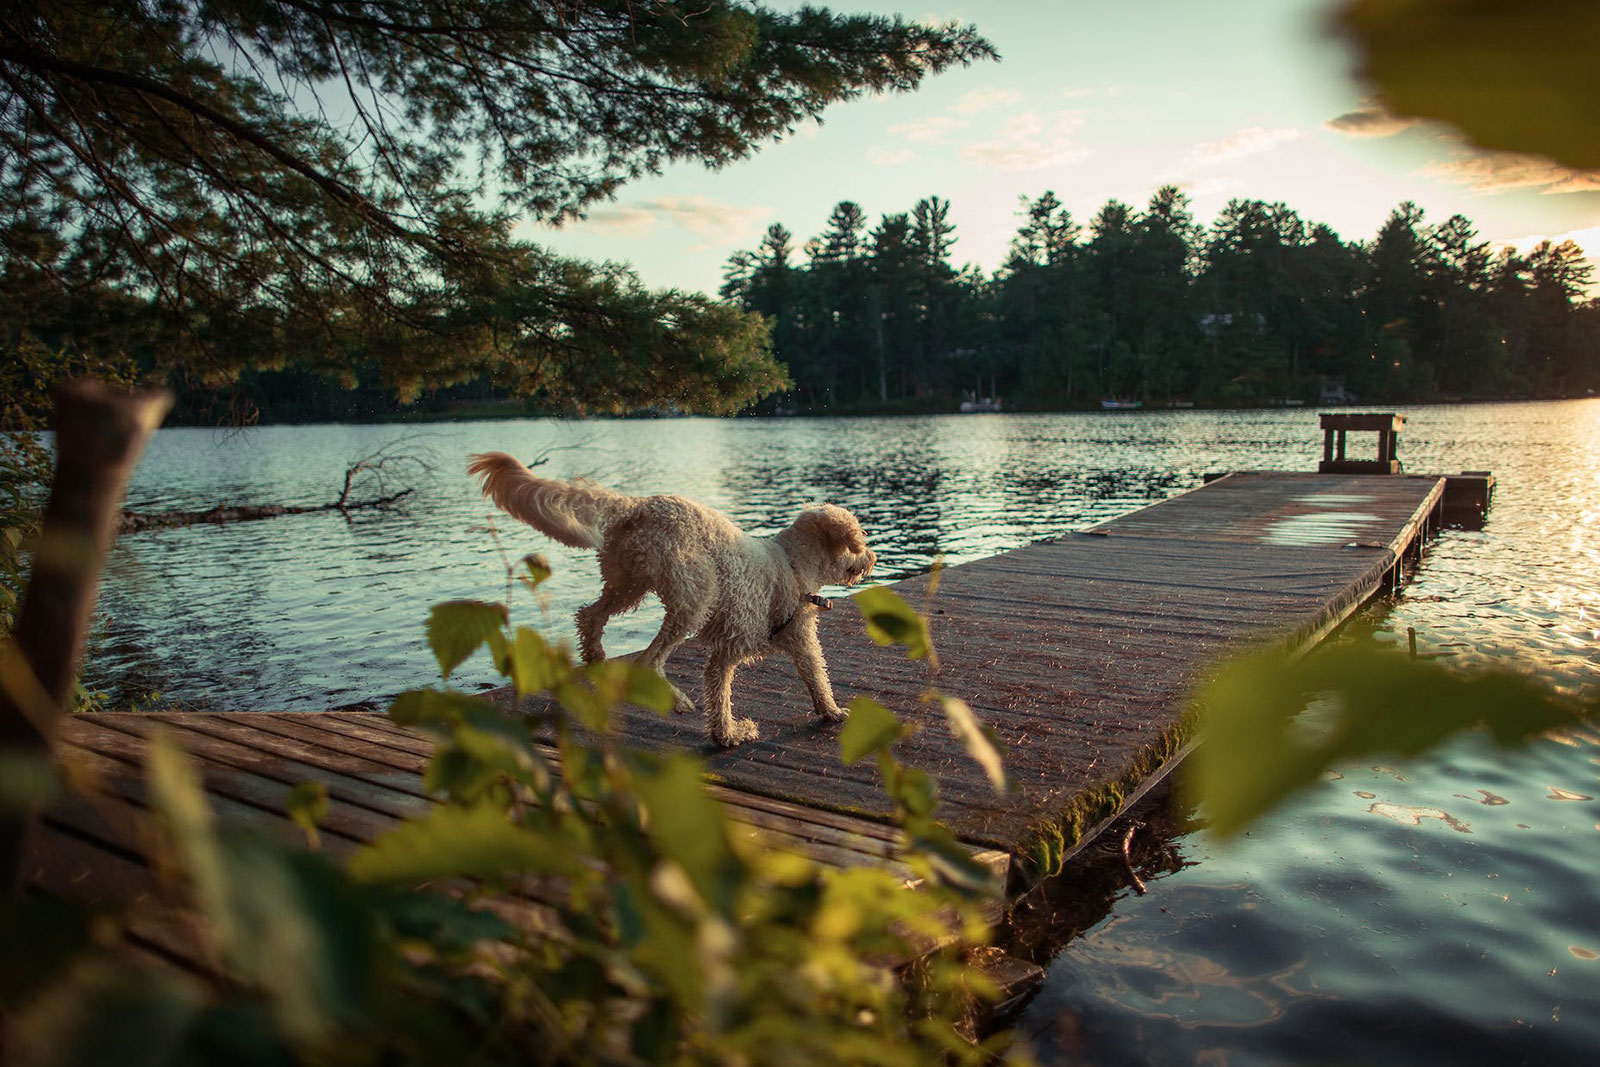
(743, 596)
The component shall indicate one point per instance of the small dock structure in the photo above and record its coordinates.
(1336, 426)
(1079, 651)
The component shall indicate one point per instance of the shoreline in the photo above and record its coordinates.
(501, 412)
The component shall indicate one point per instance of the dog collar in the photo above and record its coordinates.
(822, 603)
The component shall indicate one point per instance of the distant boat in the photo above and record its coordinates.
(983, 403)
(1111, 403)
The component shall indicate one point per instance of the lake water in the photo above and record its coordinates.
(1439, 911)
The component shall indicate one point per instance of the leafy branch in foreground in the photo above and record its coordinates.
(1273, 725)
(1512, 77)
(567, 901)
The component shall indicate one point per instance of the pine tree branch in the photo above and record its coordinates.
(30, 58)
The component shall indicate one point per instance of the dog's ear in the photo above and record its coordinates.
(833, 527)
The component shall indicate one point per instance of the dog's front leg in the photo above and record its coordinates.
(805, 649)
(725, 730)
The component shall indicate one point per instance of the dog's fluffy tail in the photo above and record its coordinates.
(575, 513)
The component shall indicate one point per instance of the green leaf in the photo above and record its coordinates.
(537, 568)
(453, 841)
(658, 1032)
(687, 825)
(455, 773)
(42, 935)
(1261, 743)
(307, 805)
(659, 942)
(918, 792)
(974, 738)
(535, 665)
(576, 693)
(501, 746)
(594, 693)
(283, 920)
(28, 780)
(870, 728)
(1515, 77)
(108, 1012)
(442, 708)
(457, 627)
(500, 653)
(179, 799)
(449, 925)
(950, 861)
(891, 621)
(295, 927)
(648, 689)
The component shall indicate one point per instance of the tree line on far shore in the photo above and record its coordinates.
(1263, 306)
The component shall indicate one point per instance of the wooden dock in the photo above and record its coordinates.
(1079, 651)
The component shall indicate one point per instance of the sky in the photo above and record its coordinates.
(1094, 101)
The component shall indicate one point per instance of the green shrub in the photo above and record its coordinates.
(567, 901)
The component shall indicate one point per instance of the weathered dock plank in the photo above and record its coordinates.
(1078, 651)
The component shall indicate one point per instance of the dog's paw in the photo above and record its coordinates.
(681, 704)
(833, 713)
(738, 732)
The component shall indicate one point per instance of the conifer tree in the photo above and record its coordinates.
(337, 181)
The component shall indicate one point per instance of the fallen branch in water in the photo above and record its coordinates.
(134, 521)
(377, 467)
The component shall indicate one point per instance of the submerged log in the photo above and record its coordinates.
(135, 521)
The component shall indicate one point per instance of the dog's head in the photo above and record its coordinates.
(845, 557)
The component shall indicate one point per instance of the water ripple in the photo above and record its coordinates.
(1441, 911)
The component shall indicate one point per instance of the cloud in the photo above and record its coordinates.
(1587, 239)
(1371, 119)
(1213, 185)
(1083, 91)
(977, 100)
(935, 130)
(1499, 172)
(1246, 142)
(625, 220)
(718, 222)
(889, 157)
(1028, 142)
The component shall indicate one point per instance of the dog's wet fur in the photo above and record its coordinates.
(742, 596)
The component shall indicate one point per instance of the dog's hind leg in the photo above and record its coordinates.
(676, 628)
(725, 730)
(618, 596)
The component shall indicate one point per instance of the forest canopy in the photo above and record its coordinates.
(1262, 306)
(213, 185)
